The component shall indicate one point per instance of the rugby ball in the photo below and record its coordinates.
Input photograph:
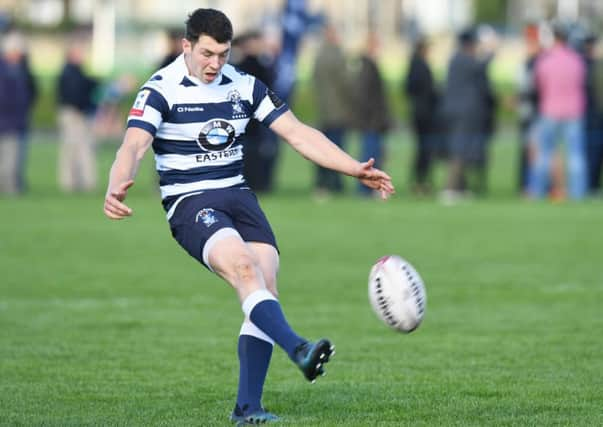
(397, 293)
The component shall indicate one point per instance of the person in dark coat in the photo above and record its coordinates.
(32, 88)
(420, 88)
(76, 92)
(372, 115)
(261, 152)
(331, 92)
(14, 110)
(174, 47)
(596, 160)
(594, 118)
(468, 106)
(527, 104)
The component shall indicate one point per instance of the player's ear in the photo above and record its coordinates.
(187, 46)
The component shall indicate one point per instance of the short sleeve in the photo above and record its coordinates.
(148, 111)
(267, 105)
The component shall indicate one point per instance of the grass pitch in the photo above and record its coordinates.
(111, 323)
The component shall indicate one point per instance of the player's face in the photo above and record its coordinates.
(206, 57)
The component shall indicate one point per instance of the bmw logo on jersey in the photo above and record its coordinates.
(216, 135)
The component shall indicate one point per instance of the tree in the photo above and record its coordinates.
(66, 21)
(491, 12)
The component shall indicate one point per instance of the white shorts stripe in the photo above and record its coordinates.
(208, 184)
(170, 213)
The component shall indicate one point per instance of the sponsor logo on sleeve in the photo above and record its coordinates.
(140, 103)
(276, 101)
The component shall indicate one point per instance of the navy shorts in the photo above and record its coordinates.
(197, 218)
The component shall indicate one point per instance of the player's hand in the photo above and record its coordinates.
(376, 179)
(114, 208)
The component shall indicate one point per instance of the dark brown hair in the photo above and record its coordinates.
(210, 22)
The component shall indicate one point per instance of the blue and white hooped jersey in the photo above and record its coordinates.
(199, 128)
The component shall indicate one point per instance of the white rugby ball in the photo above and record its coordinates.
(397, 293)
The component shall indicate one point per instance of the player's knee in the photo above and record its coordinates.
(245, 269)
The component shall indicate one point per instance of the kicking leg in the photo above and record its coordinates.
(310, 357)
(234, 261)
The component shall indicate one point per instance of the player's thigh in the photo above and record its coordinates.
(268, 260)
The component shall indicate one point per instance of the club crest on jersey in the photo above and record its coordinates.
(216, 135)
(206, 216)
(234, 97)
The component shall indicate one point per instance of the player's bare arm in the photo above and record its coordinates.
(315, 146)
(136, 142)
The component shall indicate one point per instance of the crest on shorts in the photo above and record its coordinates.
(206, 216)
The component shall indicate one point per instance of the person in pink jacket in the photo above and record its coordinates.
(560, 79)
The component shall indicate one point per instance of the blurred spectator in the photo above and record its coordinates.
(296, 21)
(14, 109)
(5, 21)
(23, 150)
(372, 115)
(75, 95)
(488, 43)
(174, 43)
(469, 110)
(331, 91)
(261, 144)
(527, 103)
(528, 119)
(597, 87)
(560, 78)
(598, 81)
(594, 118)
(420, 88)
(110, 117)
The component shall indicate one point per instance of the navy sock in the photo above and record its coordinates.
(254, 358)
(268, 316)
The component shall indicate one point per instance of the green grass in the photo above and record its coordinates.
(111, 323)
